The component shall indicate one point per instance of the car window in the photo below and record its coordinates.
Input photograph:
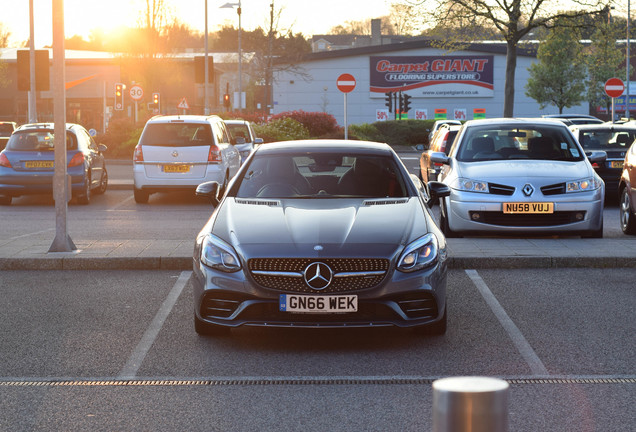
(176, 135)
(38, 141)
(239, 131)
(6, 130)
(495, 142)
(322, 175)
(606, 139)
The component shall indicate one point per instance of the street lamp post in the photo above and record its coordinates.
(206, 106)
(240, 54)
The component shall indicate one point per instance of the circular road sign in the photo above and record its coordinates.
(614, 87)
(136, 92)
(346, 83)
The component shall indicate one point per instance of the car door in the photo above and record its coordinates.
(229, 151)
(93, 155)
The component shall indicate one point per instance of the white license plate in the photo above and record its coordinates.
(318, 303)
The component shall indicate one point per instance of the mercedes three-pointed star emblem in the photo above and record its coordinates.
(318, 275)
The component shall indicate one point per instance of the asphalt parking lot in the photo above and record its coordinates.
(116, 350)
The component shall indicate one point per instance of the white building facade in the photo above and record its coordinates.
(460, 84)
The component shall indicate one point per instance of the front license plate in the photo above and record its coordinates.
(38, 164)
(616, 164)
(318, 304)
(528, 208)
(176, 168)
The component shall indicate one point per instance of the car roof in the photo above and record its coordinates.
(323, 145)
(516, 121)
(189, 118)
(569, 116)
(44, 126)
(236, 121)
(606, 126)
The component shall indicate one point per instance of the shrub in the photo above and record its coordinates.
(284, 129)
(121, 138)
(317, 123)
(253, 117)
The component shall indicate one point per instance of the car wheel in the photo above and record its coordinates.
(85, 197)
(435, 329)
(141, 196)
(627, 219)
(5, 199)
(207, 329)
(103, 184)
(443, 221)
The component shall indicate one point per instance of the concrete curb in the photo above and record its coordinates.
(75, 262)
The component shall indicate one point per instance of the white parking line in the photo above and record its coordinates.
(115, 207)
(31, 234)
(136, 359)
(536, 365)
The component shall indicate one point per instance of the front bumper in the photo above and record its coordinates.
(402, 300)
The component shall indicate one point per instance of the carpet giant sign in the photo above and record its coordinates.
(433, 76)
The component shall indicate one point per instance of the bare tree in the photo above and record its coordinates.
(512, 20)
(4, 42)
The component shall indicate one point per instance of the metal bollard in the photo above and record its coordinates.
(470, 404)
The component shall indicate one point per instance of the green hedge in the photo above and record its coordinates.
(395, 132)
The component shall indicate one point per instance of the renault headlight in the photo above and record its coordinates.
(469, 185)
(419, 254)
(219, 255)
(583, 185)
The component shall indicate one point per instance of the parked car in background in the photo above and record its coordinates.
(179, 152)
(627, 192)
(441, 142)
(301, 239)
(520, 176)
(570, 116)
(614, 140)
(6, 129)
(438, 124)
(580, 121)
(27, 163)
(243, 137)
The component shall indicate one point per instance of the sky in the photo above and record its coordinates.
(80, 16)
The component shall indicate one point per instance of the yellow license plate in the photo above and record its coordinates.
(176, 168)
(38, 164)
(528, 208)
(616, 164)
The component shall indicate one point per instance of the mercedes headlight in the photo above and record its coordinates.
(583, 185)
(469, 185)
(419, 254)
(219, 255)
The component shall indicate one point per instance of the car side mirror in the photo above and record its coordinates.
(439, 157)
(438, 190)
(258, 141)
(596, 156)
(209, 190)
(101, 148)
(420, 147)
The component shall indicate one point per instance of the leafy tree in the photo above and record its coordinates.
(512, 19)
(604, 59)
(558, 78)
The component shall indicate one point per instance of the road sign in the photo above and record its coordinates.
(183, 104)
(614, 87)
(136, 92)
(346, 83)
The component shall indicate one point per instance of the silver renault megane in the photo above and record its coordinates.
(325, 233)
(520, 175)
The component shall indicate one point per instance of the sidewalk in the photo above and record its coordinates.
(30, 253)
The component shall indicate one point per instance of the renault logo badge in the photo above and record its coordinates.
(527, 190)
(318, 275)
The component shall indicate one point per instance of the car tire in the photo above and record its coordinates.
(103, 184)
(435, 329)
(207, 329)
(141, 196)
(627, 219)
(443, 221)
(85, 197)
(5, 199)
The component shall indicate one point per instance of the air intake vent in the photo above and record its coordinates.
(386, 202)
(555, 189)
(258, 202)
(498, 189)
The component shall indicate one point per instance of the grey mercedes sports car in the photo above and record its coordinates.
(321, 234)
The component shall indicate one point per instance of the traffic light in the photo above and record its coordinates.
(226, 100)
(119, 96)
(156, 99)
(388, 97)
(401, 103)
(406, 103)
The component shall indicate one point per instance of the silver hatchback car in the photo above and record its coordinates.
(180, 152)
(520, 175)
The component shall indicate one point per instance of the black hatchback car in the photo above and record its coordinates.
(613, 139)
